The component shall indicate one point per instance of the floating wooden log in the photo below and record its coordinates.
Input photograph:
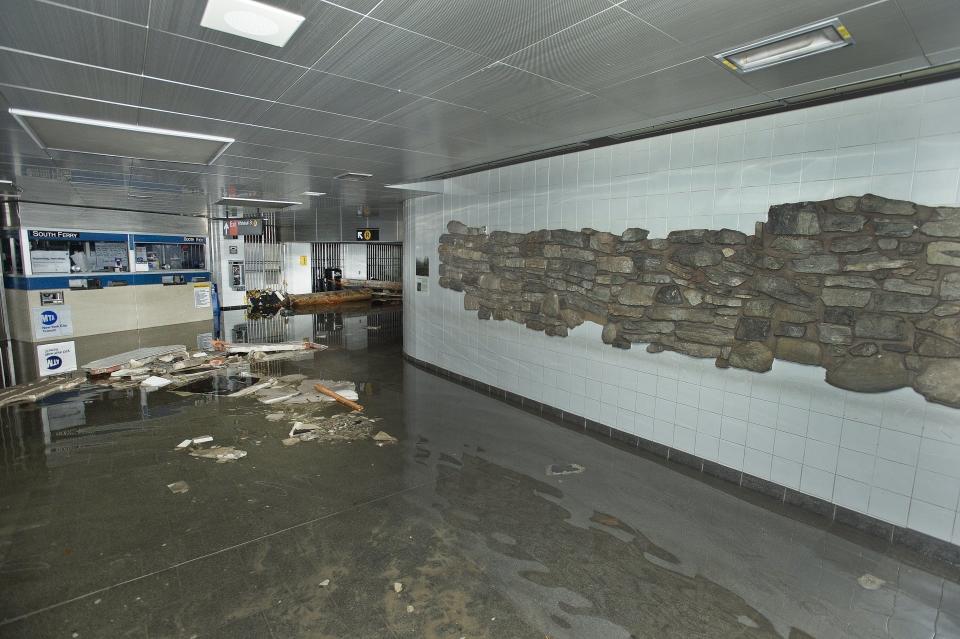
(329, 298)
(382, 285)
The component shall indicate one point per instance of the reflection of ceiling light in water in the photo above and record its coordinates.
(818, 37)
(251, 19)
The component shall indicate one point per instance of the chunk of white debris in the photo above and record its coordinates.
(155, 382)
(397, 587)
(324, 583)
(275, 417)
(870, 582)
(564, 469)
(184, 443)
(410, 608)
(222, 454)
(383, 439)
(747, 621)
(178, 487)
(290, 441)
(202, 439)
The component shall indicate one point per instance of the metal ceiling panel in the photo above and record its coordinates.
(131, 10)
(493, 28)
(861, 75)
(608, 48)
(382, 54)
(936, 24)
(437, 118)
(682, 88)
(174, 58)
(587, 114)
(63, 77)
(881, 37)
(72, 35)
(325, 24)
(723, 24)
(505, 91)
(171, 96)
(318, 90)
(289, 118)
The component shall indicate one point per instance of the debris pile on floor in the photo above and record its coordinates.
(35, 391)
(344, 427)
(174, 366)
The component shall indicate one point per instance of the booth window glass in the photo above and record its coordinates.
(173, 256)
(77, 256)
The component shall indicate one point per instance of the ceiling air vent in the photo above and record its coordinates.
(352, 176)
(56, 132)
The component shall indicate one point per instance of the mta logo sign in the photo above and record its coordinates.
(54, 362)
(48, 318)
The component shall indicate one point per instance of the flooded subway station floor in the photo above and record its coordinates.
(493, 522)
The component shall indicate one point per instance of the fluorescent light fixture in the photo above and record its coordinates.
(6, 181)
(313, 193)
(256, 203)
(353, 176)
(808, 40)
(57, 132)
(252, 20)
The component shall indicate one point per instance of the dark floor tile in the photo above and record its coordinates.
(865, 523)
(763, 486)
(685, 459)
(808, 502)
(927, 545)
(721, 472)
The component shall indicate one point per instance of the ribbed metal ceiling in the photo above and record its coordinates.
(405, 89)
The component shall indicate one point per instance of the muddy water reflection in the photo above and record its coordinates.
(460, 511)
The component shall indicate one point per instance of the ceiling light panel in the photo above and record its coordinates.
(251, 20)
(55, 132)
(795, 44)
(256, 203)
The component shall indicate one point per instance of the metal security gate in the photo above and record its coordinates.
(263, 256)
(324, 255)
(383, 261)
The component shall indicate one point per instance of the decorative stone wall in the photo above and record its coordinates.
(868, 288)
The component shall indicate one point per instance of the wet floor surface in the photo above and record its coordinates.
(466, 512)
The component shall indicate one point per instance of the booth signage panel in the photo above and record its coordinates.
(51, 322)
(56, 358)
(169, 239)
(242, 226)
(368, 235)
(82, 236)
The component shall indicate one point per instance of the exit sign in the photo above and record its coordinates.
(368, 235)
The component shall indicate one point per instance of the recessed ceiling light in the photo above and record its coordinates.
(313, 193)
(57, 132)
(808, 40)
(256, 203)
(251, 19)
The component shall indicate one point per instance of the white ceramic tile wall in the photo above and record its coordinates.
(891, 455)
